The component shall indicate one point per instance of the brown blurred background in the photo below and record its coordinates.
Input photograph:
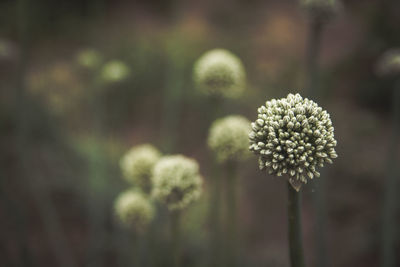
(49, 130)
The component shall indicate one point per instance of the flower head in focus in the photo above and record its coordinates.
(134, 210)
(137, 165)
(176, 181)
(228, 138)
(293, 136)
(219, 72)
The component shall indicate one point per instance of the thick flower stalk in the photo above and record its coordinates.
(322, 10)
(176, 181)
(134, 210)
(293, 136)
(115, 71)
(228, 138)
(137, 165)
(220, 73)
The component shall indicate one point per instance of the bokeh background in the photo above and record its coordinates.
(52, 139)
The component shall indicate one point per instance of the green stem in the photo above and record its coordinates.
(231, 204)
(294, 224)
(313, 51)
(176, 238)
(389, 205)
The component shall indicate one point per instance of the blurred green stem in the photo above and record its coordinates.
(176, 238)
(294, 224)
(231, 216)
(313, 53)
(389, 232)
(215, 218)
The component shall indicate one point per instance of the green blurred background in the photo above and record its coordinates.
(52, 137)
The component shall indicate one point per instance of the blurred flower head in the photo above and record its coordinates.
(176, 181)
(134, 210)
(219, 72)
(228, 138)
(322, 10)
(115, 71)
(137, 165)
(293, 136)
(389, 63)
(89, 59)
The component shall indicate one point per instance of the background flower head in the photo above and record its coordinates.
(115, 71)
(228, 138)
(134, 210)
(219, 72)
(293, 136)
(137, 165)
(176, 181)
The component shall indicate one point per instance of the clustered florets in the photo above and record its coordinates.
(176, 181)
(137, 165)
(134, 210)
(228, 138)
(219, 72)
(293, 136)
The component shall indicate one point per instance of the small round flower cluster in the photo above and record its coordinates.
(137, 165)
(134, 210)
(219, 72)
(115, 71)
(176, 181)
(228, 138)
(89, 58)
(293, 136)
(322, 10)
(389, 64)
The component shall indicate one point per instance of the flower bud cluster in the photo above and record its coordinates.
(176, 181)
(221, 73)
(293, 136)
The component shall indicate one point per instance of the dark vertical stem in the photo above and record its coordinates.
(231, 215)
(294, 224)
(176, 238)
(389, 204)
(313, 53)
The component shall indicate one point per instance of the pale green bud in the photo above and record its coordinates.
(286, 146)
(89, 58)
(228, 138)
(137, 165)
(115, 71)
(221, 73)
(134, 210)
(176, 181)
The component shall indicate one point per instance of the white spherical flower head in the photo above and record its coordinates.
(293, 136)
(137, 165)
(389, 64)
(89, 58)
(115, 71)
(323, 10)
(134, 210)
(219, 72)
(228, 138)
(176, 181)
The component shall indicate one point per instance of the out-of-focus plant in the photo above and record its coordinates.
(228, 139)
(389, 65)
(137, 165)
(114, 71)
(220, 73)
(134, 210)
(176, 183)
(89, 58)
(293, 136)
